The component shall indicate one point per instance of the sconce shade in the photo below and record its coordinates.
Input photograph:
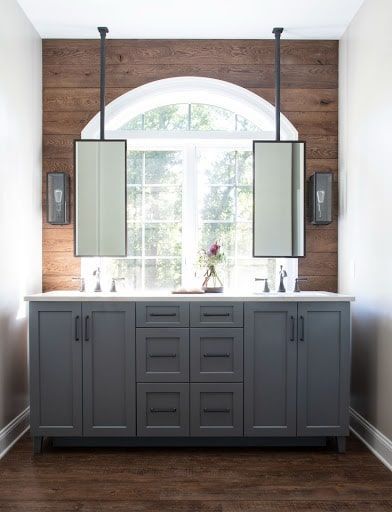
(57, 198)
(320, 198)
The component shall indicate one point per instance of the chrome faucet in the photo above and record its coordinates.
(114, 281)
(266, 287)
(297, 289)
(97, 274)
(82, 287)
(282, 275)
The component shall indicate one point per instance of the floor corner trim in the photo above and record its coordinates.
(12, 432)
(375, 440)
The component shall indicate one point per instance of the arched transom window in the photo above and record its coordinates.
(189, 180)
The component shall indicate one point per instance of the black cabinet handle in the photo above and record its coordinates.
(77, 320)
(207, 354)
(163, 314)
(162, 355)
(302, 336)
(292, 320)
(225, 409)
(87, 328)
(216, 314)
(169, 409)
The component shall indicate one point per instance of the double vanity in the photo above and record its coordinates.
(164, 369)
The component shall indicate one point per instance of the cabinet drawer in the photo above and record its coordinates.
(219, 314)
(162, 314)
(163, 410)
(216, 355)
(216, 410)
(162, 354)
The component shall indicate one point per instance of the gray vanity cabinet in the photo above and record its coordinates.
(109, 401)
(270, 369)
(323, 368)
(55, 369)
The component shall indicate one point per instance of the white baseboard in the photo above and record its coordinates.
(377, 443)
(12, 432)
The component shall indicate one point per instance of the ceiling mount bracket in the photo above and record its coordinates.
(278, 32)
(102, 31)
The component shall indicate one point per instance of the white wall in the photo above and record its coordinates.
(20, 199)
(365, 228)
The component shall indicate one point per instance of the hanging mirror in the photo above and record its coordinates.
(278, 189)
(100, 188)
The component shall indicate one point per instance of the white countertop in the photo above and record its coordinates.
(149, 296)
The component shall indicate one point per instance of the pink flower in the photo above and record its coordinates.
(214, 249)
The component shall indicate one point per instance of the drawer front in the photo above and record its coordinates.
(162, 314)
(163, 410)
(216, 355)
(219, 314)
(216, 410)
(162, 354)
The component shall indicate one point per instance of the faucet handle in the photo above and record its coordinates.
(113, 285)
(82, 287)
(297, 289)
(265, 279)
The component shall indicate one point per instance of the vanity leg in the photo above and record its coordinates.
(341, 444)
(37, 444)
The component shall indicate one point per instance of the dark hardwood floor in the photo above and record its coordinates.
(194, 480)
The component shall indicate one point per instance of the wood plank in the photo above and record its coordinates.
(60, 264)
(297, 76)
(58, 239)
(322, 240)
(87, 98)
(58, 147)
(317, 283)
(318, 264)
(314, 123)
(65, 123)
(320, 146)
(207, 51)
(59, 282)
(330, 165)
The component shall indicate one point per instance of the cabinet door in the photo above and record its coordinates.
(270, 359)
(162, 355)
(323, 368)
(216, 409)
(163, 410)
(55, 369)
(109, 369)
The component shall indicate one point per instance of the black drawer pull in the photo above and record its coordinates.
(207, 354)
(169, 409)
(216, 314)
(292, 320)
(302, 335)
(224, 409)
(77, 320)
(86, 328)
(162, 355)
(163, 314)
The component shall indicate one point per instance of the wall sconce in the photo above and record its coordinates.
(320, 198)
(57, 198)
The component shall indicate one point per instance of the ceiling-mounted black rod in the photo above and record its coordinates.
(103, 31)
(278, 32)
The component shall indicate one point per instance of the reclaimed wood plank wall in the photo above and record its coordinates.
(309, 100)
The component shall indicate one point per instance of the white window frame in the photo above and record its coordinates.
(192, 90)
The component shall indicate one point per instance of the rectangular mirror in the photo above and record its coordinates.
(279, 199)
(100, 197)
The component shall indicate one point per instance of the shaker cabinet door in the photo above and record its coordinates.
(323, 368)
(270, 361)
(109, 404)
(55, 369)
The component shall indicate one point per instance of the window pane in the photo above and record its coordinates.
(161, 273)
(223, 233)
(163, 203)
(245, 167)
(134, 167)
(243, 125)
(218, 203)
(163, 239)
(244, 203)
(130, 269)
(209, 117)
(244, 240)
(163, 167)
(134, 203)
(216, 166)
(134, 239)
(168, 117)
(134, 124)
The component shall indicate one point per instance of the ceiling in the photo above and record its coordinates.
(185, 19)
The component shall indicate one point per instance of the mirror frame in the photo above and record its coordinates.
(254, 195)
(125, 193)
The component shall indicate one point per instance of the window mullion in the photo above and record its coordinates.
(189, 215)
(143, 220)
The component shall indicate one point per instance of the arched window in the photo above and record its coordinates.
(189, 179)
